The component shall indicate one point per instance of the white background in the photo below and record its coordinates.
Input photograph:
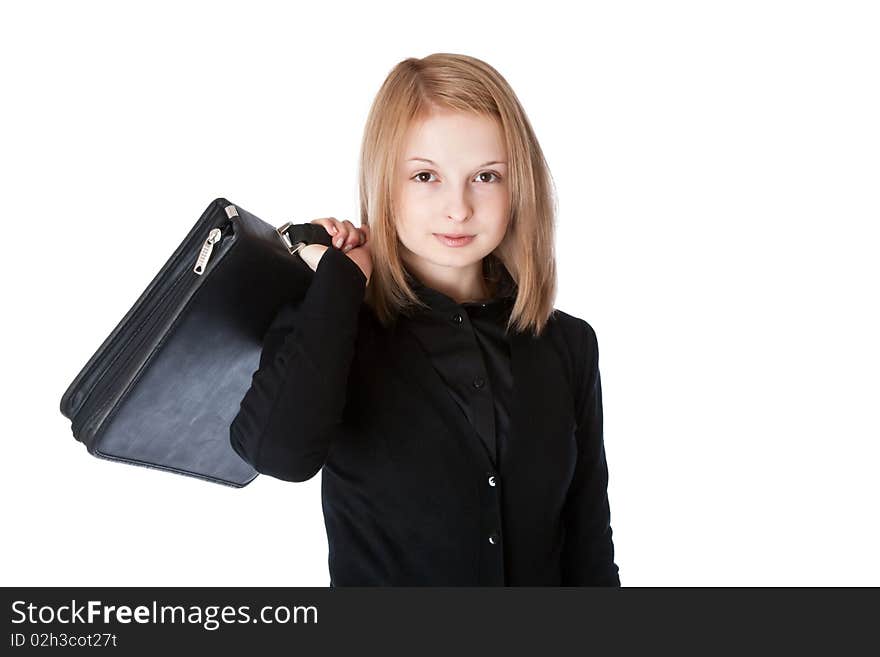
(717, 167)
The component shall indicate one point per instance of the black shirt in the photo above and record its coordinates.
(452, 453)
(471, 352)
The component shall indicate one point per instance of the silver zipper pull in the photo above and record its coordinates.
(205, 253)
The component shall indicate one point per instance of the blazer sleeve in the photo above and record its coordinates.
(588, 552)
(298, 393)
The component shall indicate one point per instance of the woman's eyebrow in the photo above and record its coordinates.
(424, 159)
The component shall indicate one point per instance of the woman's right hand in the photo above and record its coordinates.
(353, 241)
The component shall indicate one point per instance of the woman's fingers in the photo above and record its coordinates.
(330, 224)
(353, 236)
(345, 235)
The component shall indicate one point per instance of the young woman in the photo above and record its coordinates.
(455, 413)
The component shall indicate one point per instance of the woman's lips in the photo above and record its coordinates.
(454, 241)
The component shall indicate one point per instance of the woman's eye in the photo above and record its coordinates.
(479, 175)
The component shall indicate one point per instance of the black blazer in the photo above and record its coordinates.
(409, 494)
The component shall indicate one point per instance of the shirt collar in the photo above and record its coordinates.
(438, 301)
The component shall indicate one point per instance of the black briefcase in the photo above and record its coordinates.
(163, 388)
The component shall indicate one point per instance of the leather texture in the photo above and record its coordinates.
(164, 386)
(309, 233)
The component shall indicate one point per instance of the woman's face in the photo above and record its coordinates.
(462, 190)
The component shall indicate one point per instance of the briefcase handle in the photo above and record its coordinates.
(296, 236)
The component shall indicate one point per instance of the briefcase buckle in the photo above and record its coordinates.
(282, 233)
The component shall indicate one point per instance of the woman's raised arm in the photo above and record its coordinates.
(298, 393)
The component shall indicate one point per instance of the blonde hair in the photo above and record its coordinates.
(412, 90)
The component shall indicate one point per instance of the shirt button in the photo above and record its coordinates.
(491, 480)
(493, 539)
(456, 318)
(479, 382)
